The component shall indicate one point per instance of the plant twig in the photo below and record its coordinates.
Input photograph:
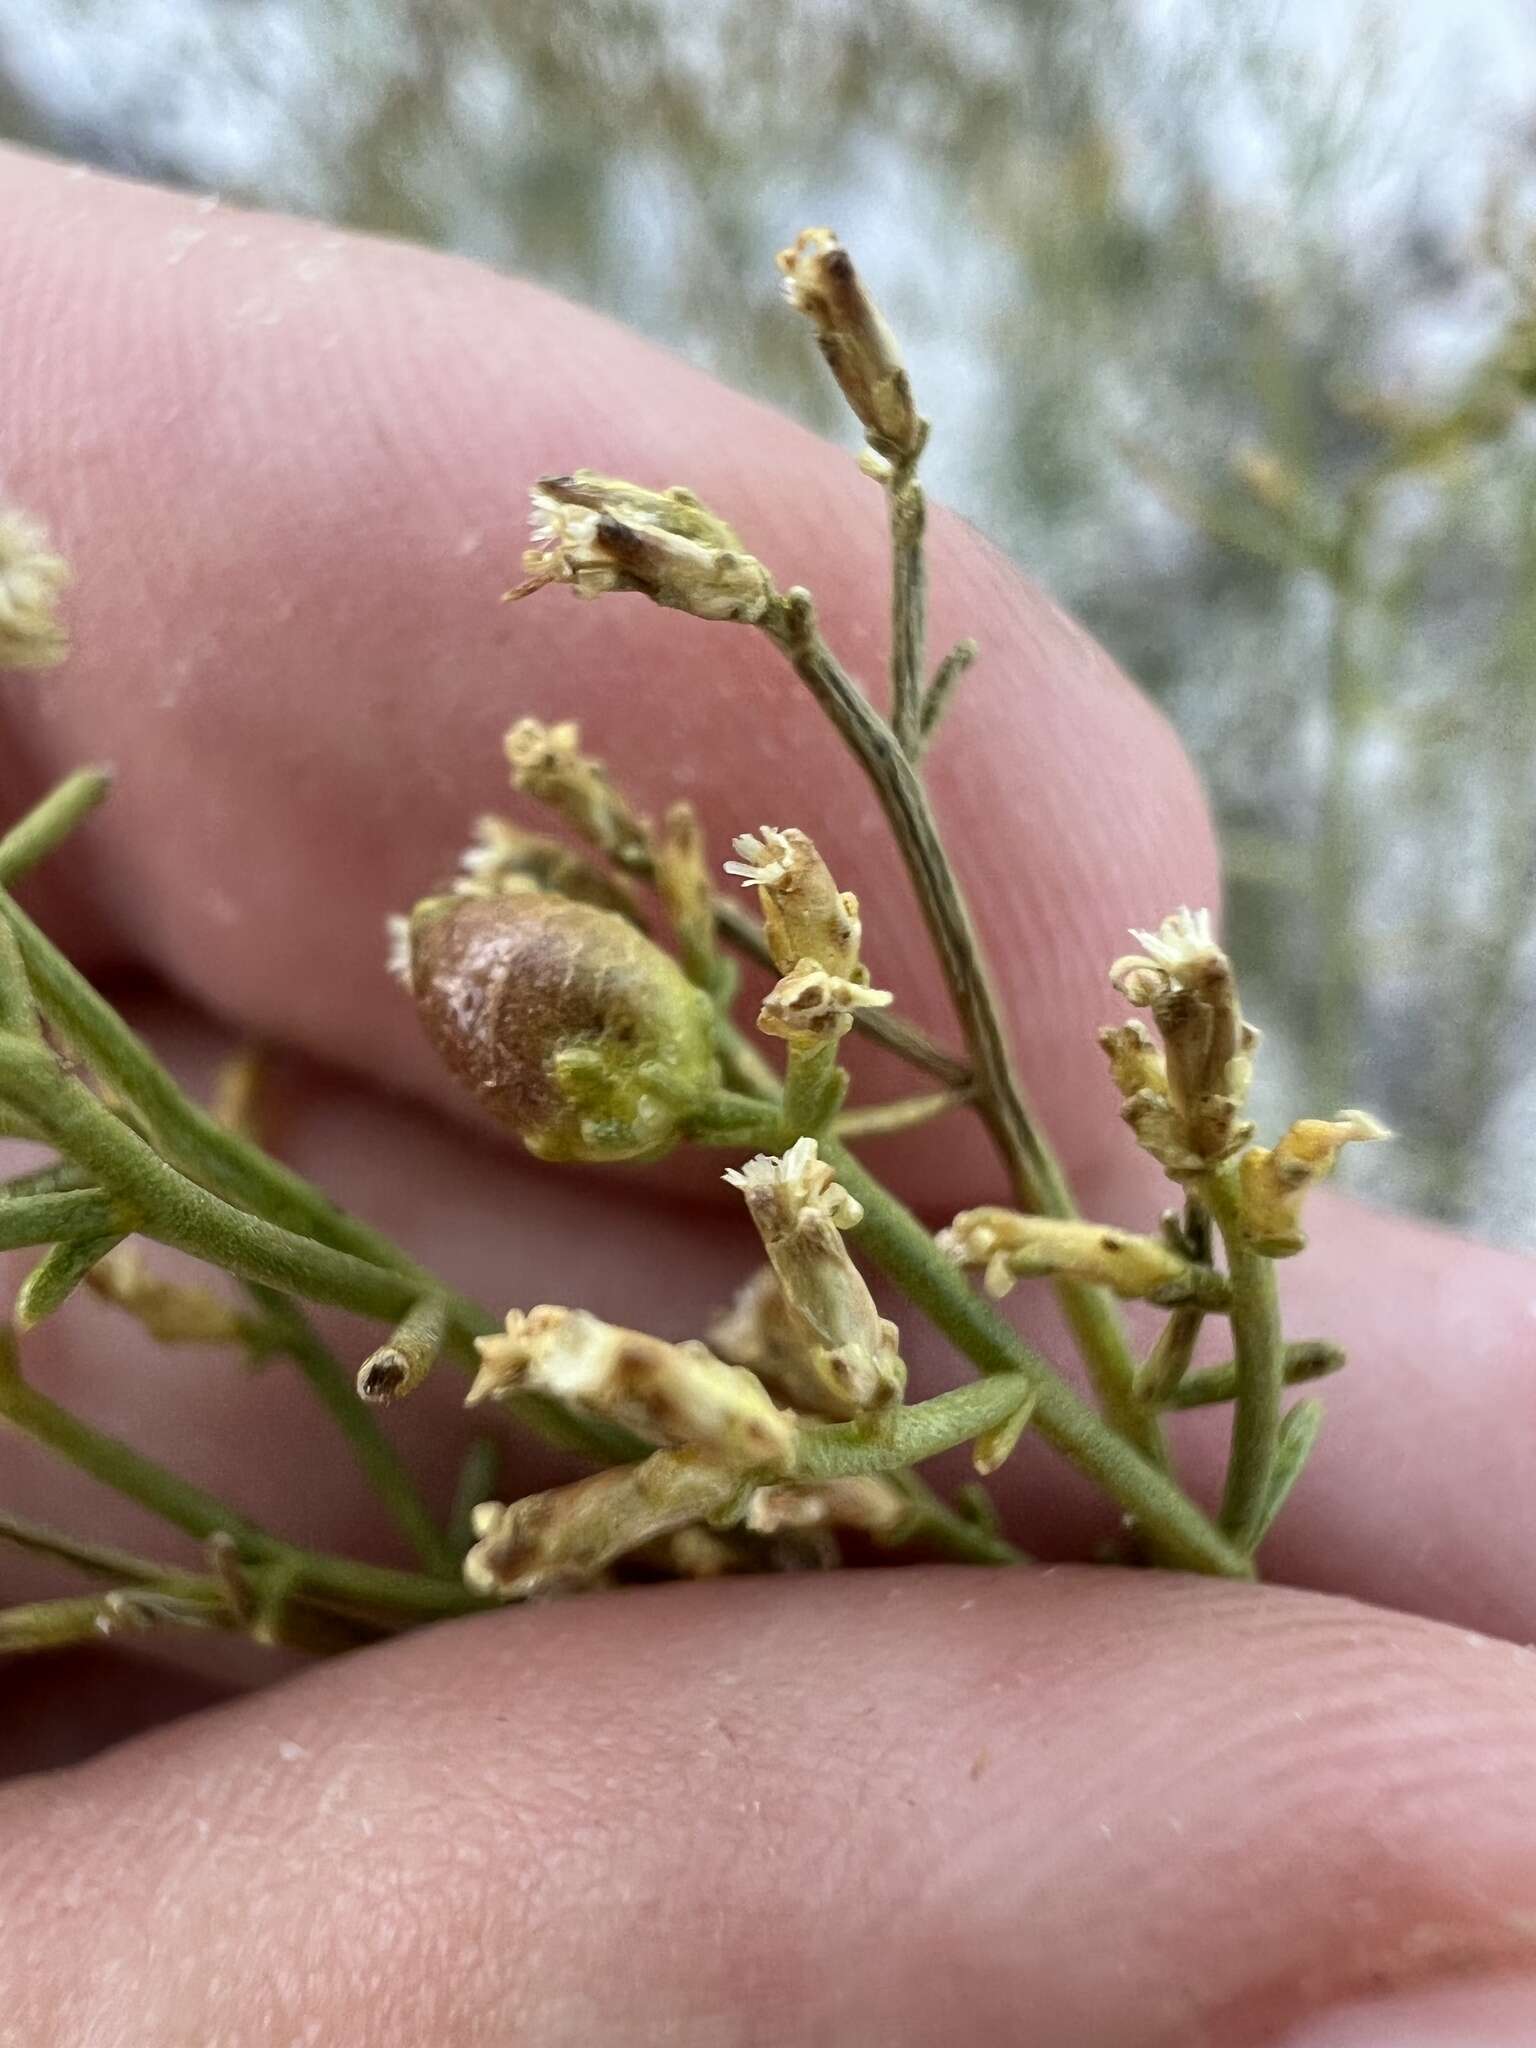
(32, 838)
(1259, 1366)
(909, 605)
(1038, 1182)
(376, 1456)
(1218, 1383)
(942, 688)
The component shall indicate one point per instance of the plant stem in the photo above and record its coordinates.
(813, 1090)
(1305, 1361)
(342, 1584)
(376, 1456)
(909, 606)
(355, 1265)
(898, 1243)
(1038, 1182)
(87, 1617)
(941, 689)
(881, 1119)
(36, 835)
(52, 1218)
(1259, 1366)
(890, 1438)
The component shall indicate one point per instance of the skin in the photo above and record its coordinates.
(1144, 1811)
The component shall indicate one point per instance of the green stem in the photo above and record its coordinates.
(54, 1279)
(50, 1218)
(1259, 1365)
(909, 607)
(36, 835)
(402, 1364)
(891, 1438)
(343, 1584)
(898, 1243)
(376, 1456)
(1036, 1175)
(157, 1198)
(1305, 1361)
(477, 1482)
(814, 1085)
(88, 1617)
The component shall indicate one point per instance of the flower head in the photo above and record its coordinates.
(800, 1211)
(1271, 1183)
(547, 763)
(811, 1007)
(599, 534)
(805, 915)
(819, 280)
(674, 1394)
(1009, 1245)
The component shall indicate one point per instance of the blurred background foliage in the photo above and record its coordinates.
(1222, 311)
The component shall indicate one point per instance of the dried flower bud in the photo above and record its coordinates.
(31, 578)
(570, 1027)
(800, 1211)
(505, 860)
(1271, 1184)
(763, 1333)
(563, 1539)
(1134, 1061)
(1186, 980)
(860, 349)
(805, 915)
(875, 1505)
(810, 1007)
(599, 534)
(547, 762)
(1012, 1246)
(670, 1394)
(171, 1311)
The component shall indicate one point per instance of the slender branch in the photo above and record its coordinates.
(336, 1259)
(51, 1218)
(897, 1242)
(1038, 1182)
(1259, 1366)
(942, 688)
(342, 1584)
(882, 1119)
(909, 606)
(1304, 1361)
(48, 823)
(87, 1617)
(376, 1456)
